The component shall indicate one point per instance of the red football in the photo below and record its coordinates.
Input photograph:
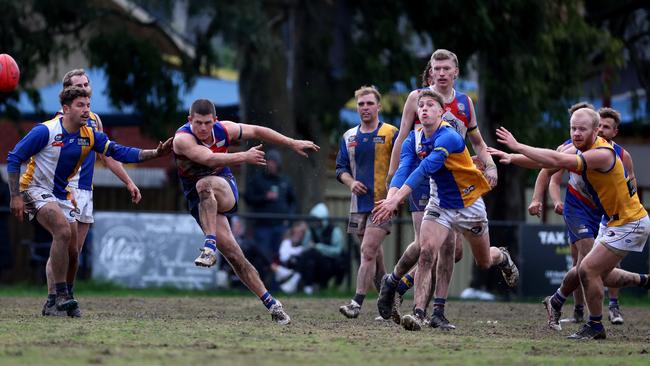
(9, 73)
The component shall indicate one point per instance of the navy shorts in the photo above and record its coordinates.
(193, 199)
(581, 220)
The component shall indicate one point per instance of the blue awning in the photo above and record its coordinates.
(223, 93)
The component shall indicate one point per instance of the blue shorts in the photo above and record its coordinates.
(419, 198)
(581, 220)
(193, 199)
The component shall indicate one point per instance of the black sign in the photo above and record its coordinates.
(545, 257)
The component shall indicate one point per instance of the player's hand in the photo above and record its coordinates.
(535, 208)
(504, 157)
(505, 137)
(17, 207)
(302, 146)
(135, 193)
(164, 148)
(384, 210)
(358, 188)
(255, 155)
(558, 207)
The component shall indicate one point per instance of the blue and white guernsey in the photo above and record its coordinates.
(55, 155)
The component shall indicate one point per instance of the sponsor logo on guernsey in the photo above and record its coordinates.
(83, 141)
(379, 139)
(58, 140)
(469, 189)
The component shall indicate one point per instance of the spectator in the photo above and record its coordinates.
(270, 192)
(323, 257)
(287, 270)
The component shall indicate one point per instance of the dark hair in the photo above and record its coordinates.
(581, 105)
(426, 78)
(203, 107)
(67, 79)
(432, 94)
(68, 95)
(607, 112)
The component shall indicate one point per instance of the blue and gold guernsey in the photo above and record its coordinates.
(84, 178)
(455, 182)
(190, 172)
(611, 190)
(366, 156)
(458, 113)
(55, 155)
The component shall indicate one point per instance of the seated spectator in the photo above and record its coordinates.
(323, 256)
(286, 270)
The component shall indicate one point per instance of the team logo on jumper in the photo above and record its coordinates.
(379, 139)
(83, 141)
(352, 141)
(58, 140)
(58, 137)
(461, 107)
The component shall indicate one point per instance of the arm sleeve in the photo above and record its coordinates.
(408, 162)
(443, 146)
(342, 160)
(124, 154)
(30, 145)
(336, 247)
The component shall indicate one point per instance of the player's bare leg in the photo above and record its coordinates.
(214, 193)
(370, 250)
(614, 311)
(430, 242)
(570, 283)
(444, 271)
(53, 220)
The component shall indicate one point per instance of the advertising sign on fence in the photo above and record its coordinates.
(545, 257)
(148, 249)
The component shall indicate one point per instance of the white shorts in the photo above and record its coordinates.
(84, 199)
(472, 219)
(35, 198)
(630, 237)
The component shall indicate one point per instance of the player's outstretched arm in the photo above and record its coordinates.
(544, 158)
(185, 144)
(409, 112)
(300, 147)
(479, 146)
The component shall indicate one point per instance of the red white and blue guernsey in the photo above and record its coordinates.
(55, 155)
(458, 113)
(190, 172)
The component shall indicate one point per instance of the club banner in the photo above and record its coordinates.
(148, 249)
(545, 257)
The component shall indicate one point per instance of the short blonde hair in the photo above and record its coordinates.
(595, 118)
(367, 89)
(442, 54)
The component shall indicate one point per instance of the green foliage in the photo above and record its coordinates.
(138, 77)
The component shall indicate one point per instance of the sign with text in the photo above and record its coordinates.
(545, 257)
(148, 249)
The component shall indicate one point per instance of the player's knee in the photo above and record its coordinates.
(368, 252)
(62, 234)
(427, 257)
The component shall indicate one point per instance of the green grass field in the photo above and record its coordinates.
(179, 329)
